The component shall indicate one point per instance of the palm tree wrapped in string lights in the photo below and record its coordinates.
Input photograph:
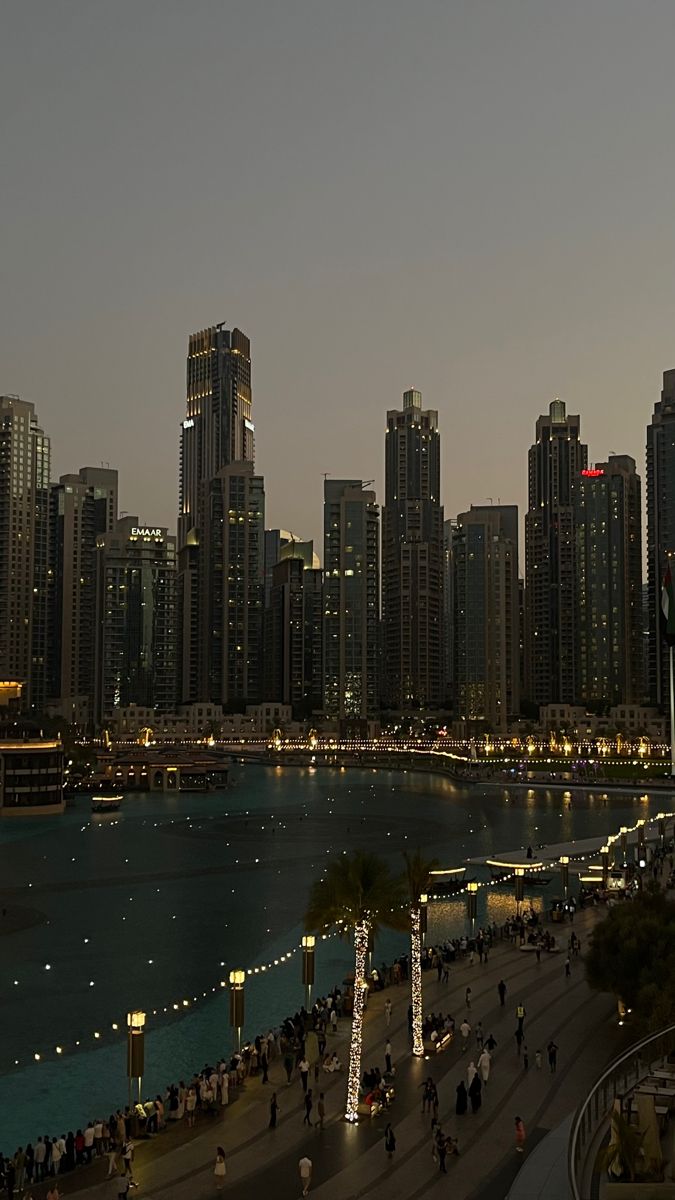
(357, 896)
(417, 870)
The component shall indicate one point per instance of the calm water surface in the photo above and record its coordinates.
(156, 904)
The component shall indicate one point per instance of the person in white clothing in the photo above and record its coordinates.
(305, 1168)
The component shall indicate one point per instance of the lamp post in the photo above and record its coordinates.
(604, 859)
(661, 818)
(565, 873)
(424, 900)
(237, 979)
(472, 904)
(641, 851)
(520, 887)
(308, 951)
(624, 845)
(135, 1051)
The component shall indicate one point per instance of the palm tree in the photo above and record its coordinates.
(357, 896)
(417, 871)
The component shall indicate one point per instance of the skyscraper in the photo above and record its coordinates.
(485, 619)
(294, 628)
(554, 464)
(660, 527)
(351, 609)
(608, 531)
(24, 549)
(135, 655)
(82, 506)
(412, 558)
(217, 433)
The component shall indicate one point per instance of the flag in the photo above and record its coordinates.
(668, 607)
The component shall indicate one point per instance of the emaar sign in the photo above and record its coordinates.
(144, 531)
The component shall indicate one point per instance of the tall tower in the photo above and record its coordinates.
(608, 531)
(485, 617)
(412, 558)
(82, 506)
(24, 549)
(660, 527)
(554, 464)
(351, 611)
(217, 434)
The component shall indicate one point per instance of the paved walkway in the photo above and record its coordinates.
(350, 1162)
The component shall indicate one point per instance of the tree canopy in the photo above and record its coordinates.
(632, 953)
(357, 887)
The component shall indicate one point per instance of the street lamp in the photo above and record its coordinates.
(564, 873)
(624, 844)
(308, 951)
(135, 1050)
(641, 840)
(424, 900)
(605, 865)
(472, 902)
(520, 886)
(237, 979)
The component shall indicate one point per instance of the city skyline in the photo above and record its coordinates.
(508, 287)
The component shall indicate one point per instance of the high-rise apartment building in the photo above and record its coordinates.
(294, 630)
(660, 528)
(485, 619)
(554, 464)
(231, 587)
(351, 600)
(82, 506)
(608, 531)
(24, 549)
(217, 433)
(135, 656)
(412, 558)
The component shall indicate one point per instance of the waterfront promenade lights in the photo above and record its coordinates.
(135, 1051)
(661, 818)
(641, 851)
(624, 845)
(520, 886)
(472, 903)
(565, 873)
(237, 979)
(308, 952)
(604, 859)
(424, 900)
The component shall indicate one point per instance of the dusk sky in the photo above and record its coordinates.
(473, 198)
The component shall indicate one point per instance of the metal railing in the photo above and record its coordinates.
(622, 1075)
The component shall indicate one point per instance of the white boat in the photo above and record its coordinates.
(106, 804)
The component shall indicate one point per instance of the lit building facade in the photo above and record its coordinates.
(217, 432)
(82, 506)
(485, 619)
(660, 529)
(608, 531)
(31, 776)
(351, 601)
(554, 464)
(412, 559)
(24, 549)
(294, 631)
(135, 659)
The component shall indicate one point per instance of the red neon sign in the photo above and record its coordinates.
(592, 474)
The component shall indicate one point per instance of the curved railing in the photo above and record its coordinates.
(622, 1075)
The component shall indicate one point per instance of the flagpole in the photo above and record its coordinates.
(672, 712)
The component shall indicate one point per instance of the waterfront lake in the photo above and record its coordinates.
(152, 906)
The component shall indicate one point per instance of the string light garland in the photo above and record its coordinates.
(361, 940)
(416, 978)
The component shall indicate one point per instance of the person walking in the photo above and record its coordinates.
(220, 1169)
(483, 1065)
(387, 1012)
(467, 997)
(462, 1102)
(471, 1073)
(389, 1142)
(306, 1120)
(490, 1044)
(263, 1064)
(465, 1030)
(304, 1073)
(441, 1150)
(520, 1016)
(520, 1135)
(520, 1038)
(537, 1059)
(387, 1057)
(568, 967)
(321, 1109)
(289, 1063)
(479, 1035)
(475, 1093)
(305, 1169)
(501, 988)
(552, 1050)
(274, 1111)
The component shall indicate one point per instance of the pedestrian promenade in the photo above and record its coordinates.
(350, 1162)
